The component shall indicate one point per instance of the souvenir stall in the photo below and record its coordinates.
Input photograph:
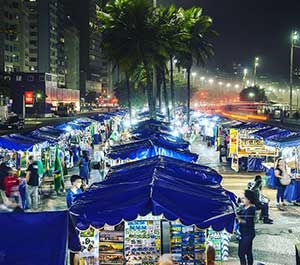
(150, 207)
(247, 149)
(289, 149)
(208, 126)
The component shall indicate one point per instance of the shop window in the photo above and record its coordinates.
(42, 78)
(18, 78)
(30, 78)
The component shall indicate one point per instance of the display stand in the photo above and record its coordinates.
(90, 251)
(188, 244)
(142, 242)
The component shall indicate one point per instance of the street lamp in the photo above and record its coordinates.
(294, 38)
(256, 63)
(210, 81)
(245, 77)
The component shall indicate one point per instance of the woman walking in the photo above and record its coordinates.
(282, 181)
(247, 229)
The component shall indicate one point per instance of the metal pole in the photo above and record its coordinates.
(254, 72)
(291, 74)
(24, 107)
(154, 3)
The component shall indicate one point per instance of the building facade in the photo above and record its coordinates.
(45, 91)
(14, 36)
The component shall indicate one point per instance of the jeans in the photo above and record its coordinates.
(264, 210)
(245, 249)
(32, 194)
(280, 193)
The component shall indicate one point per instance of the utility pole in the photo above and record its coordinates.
(294, 38)
(256, 60)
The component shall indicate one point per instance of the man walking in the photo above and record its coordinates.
(32, 180)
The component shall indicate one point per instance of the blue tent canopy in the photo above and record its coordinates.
(50, 130)
(157, 192)
(15, 144)
(149, 148)
(165, 139)
(174, 166)
(26, 139)
(271, 132)
(100, 118)
(293, 140)
(52, 139)
(249, 125)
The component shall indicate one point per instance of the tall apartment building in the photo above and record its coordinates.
(71, 45)
(93, 65)
(14, 36)
(46, 36)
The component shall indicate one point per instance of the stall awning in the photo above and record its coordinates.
(292, 140)
(271, 132)
(158, 192)
(176, 167)
(15, 145)
(27, 139)
(164, 139)
(149, 148)
(153, 124)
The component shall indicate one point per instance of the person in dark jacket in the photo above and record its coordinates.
(261, 202)
(246, 218)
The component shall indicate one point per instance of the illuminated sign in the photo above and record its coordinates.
(28, 97)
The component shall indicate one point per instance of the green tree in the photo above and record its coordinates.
(131, 37)
(198, 47)
(253, 94)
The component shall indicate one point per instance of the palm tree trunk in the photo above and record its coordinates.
(172, 86)
(149, 90)
(158, 92)
(166, 98)
(128, 96)
(188, 94)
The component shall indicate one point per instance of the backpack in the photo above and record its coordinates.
(11, 184)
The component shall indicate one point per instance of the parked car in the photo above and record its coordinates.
(12, 122)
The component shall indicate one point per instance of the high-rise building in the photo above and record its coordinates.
(14, 36)
(46, 36)
(93, 65)
(71, 45)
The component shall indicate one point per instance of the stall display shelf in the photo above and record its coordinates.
(89, 242)
(142, 242)
(188, 244)
(111, 247)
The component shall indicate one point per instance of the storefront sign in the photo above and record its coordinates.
(28, 98)
(233, 141)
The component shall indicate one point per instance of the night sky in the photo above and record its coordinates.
(251, 28)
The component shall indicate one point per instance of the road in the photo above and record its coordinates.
(35, 123)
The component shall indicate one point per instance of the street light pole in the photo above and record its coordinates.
(294, 37)
(256, 60)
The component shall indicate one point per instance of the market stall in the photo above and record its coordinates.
(288, 148)
(150, 207)
(247, 148)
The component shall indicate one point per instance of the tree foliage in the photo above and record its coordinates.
(138, 37)
(253, 94)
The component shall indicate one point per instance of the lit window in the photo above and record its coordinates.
(19, 78)
(30, 78)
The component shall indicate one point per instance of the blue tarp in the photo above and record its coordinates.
(249, 125)
(42, 136)
(15, 145)
(271, 132)
(171, 165)
(292, 140)
(33, 238)
(157, 191)
(100, 118)
(149, 148)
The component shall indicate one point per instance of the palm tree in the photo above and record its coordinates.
(198, 47)
(131, 36)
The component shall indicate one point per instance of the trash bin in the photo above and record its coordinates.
(297, 246)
